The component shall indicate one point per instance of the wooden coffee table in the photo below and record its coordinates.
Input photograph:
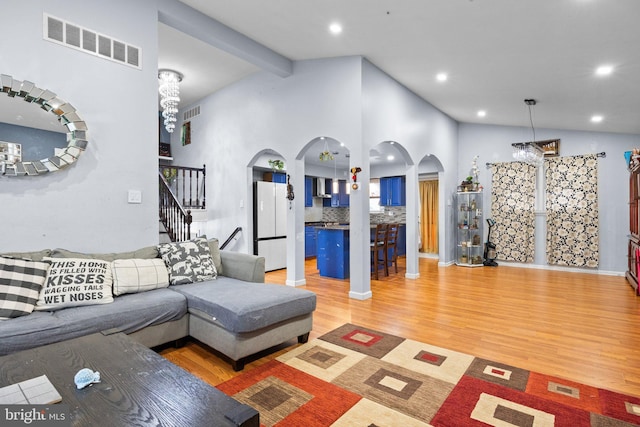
(138, 386)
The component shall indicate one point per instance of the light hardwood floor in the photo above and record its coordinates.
(582, 327)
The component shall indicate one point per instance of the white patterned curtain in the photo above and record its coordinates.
(572, 211)
(513, 188)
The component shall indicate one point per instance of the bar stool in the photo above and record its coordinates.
(377, 245)
(391, 247)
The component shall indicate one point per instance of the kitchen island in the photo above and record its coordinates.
(332, 252)
(332, 257)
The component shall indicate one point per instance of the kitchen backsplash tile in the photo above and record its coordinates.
(341, 215)
(390, 214)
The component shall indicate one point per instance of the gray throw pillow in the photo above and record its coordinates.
(215, 254)
(188, 261)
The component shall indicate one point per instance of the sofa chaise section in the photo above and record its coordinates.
(240, 318)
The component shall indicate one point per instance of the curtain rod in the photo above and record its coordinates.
(600, 154)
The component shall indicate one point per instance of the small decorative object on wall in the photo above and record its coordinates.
(290, 195)
(354, 177)
(550, 147)
(185, 135)
(165, 150)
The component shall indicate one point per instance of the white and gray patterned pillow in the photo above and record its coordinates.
(188, 261)
(138, 275)
(20, 284)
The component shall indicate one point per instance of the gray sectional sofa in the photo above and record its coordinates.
(236, 314)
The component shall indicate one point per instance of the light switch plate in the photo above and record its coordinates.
(135, 196)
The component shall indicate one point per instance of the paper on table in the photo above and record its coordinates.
(36, 391)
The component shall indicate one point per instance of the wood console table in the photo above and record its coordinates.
(138, 386)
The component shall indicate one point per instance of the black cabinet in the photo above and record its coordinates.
(393, 191)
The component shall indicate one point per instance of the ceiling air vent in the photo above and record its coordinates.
(83, 39)
(195, 111)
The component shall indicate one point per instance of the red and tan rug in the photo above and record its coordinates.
(354, 376)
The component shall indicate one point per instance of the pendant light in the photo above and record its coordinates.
(529, 152)
(169, 90)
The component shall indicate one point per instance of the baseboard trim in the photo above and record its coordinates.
(360, 296)
(296, 283)
(412, 276)
(560, 268)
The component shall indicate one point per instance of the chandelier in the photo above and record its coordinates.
(169, 96)
(529, 152)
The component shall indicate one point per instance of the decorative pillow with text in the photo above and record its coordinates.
(73, 282)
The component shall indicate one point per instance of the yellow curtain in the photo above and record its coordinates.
(429, 216)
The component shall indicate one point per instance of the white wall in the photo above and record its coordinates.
(85, 206)
(262, 112)
(393, 113)
(493, 144)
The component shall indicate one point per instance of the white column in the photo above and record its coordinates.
(295, 225)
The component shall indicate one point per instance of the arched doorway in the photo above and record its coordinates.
(430, 194)
(269, 208)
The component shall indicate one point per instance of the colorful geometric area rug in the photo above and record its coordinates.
(354, 376)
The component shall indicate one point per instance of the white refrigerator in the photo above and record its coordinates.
(270, 223)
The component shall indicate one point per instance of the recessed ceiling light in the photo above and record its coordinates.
(596, 119)
(604, 70)
(441, 77)
(390, 157)
(482, 113)
(335, 28)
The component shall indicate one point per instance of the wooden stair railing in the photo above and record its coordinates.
(176, 220)
(187, 184)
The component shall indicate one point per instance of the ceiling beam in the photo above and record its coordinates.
(196, 24)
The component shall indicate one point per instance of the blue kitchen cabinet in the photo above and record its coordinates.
(339, 199)
(308, 191)
(333, 252)
(310, 241)
(402, 240)
(279, 177)
(393, 191)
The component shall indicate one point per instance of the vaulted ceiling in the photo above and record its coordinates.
(495, 53)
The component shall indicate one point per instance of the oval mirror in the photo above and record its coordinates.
(15, 148)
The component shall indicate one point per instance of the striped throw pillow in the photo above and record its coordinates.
(20, 284)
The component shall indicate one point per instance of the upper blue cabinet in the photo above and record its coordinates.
(393, 191)
(339, 199)
(308, 191)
